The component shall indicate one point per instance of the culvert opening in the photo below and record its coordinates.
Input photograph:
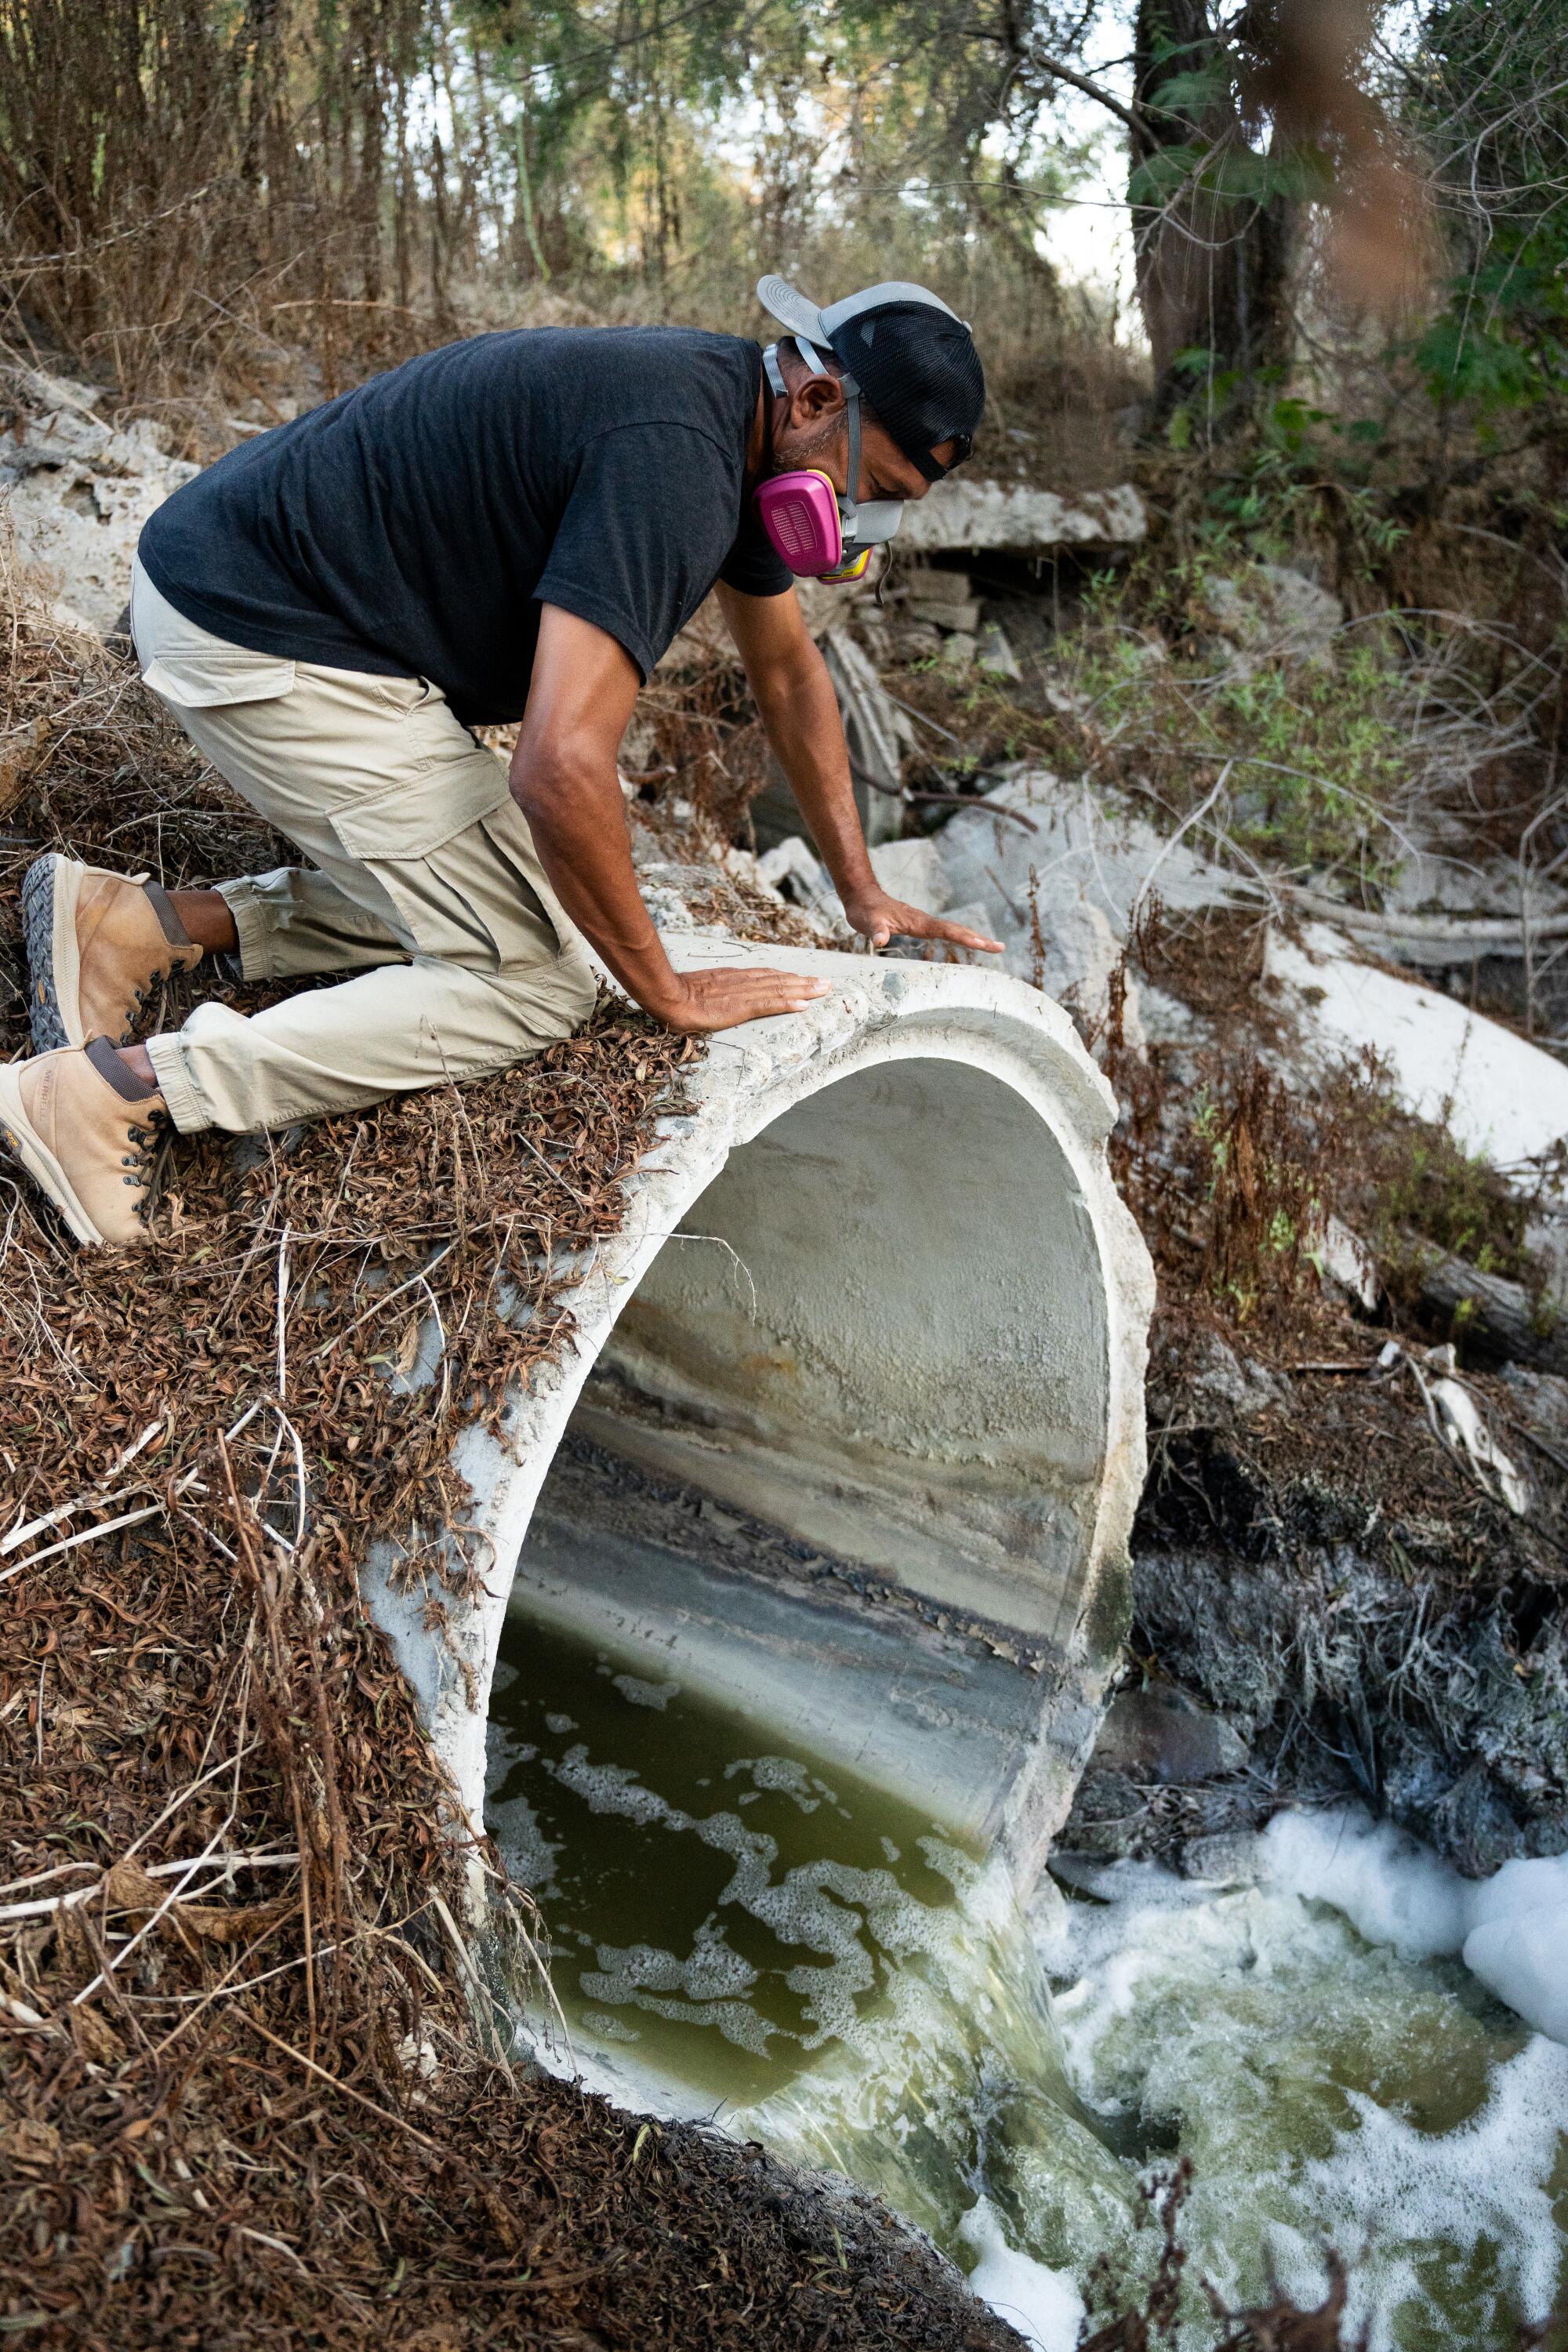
(796, 1600)
(880, 1340)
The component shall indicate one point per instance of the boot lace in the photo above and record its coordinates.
(143, 1158)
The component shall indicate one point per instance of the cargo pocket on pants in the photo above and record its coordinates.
(462, 906)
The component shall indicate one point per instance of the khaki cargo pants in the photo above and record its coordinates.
(426, 883)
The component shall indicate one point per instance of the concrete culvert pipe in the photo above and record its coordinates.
(875, 1290)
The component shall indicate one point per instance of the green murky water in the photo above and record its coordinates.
(781, 1945)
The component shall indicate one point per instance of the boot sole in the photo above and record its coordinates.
(48, 920)
(33, 1155)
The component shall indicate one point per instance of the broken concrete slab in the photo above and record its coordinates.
(943, 598)
(958, 515)
(914, 871)
(1059, 876)
(1499, 1096)
(1077, 847)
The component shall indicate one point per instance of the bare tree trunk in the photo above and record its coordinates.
(1213, 255)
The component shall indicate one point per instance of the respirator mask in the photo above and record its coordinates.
(821, 532)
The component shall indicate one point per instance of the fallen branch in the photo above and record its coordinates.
(224, 1866)
(1495, 1317)
(1467, 935)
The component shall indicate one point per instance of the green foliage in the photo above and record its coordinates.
(1462, 358)
(1492, 101)
(1310, 756)
(1416, 1185)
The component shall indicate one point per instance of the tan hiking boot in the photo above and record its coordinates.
(96, 943)
(85, 1132)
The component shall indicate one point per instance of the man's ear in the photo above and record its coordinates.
(817, 399)
(817, 402)
(812, 399)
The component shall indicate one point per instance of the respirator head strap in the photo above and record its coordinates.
(848, 503)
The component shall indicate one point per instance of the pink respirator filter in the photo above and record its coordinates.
(799, 512)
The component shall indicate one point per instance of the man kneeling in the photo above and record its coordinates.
(513, 526)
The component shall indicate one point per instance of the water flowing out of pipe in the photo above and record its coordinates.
(759, 1937)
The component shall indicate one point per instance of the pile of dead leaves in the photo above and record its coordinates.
(245, 2095)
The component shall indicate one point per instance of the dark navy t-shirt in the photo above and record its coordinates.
(414, 526)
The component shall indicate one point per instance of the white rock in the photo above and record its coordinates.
(1270, 611)
(793, 869)
(67, 617)
(959, 514)
(1229, 1383)
(1500, 1097)
(80, 492)
(1073, 870)
(996, 657)
(1345, 1264)
(912, 870)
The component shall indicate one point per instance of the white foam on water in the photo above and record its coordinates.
(1512, 1929)
(1391, 1890)
(1309, 2042)
(1330, 2090)
(1518, 1942)
(638, 1692)
(1487, 2184)
(1044, 2305)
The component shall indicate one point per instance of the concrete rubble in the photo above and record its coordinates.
(1081, 871)
(79, 491)
(1499, 1096)
(958, 515)
(1272, 612)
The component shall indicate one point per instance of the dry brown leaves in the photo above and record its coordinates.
(242, 2100)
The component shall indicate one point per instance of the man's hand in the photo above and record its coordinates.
(723, 998)
(563, 780)
(878, 918)
(800, 711)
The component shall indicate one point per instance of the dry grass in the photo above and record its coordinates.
(195, 198)
(249, 2093)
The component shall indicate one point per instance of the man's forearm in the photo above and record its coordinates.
(800, 711)
(563, 780)
(579, 828)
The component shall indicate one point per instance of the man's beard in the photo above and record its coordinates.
(816, 444)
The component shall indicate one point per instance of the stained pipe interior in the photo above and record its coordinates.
(881, 1332)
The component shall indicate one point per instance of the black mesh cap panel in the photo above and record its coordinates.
(920, 372)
